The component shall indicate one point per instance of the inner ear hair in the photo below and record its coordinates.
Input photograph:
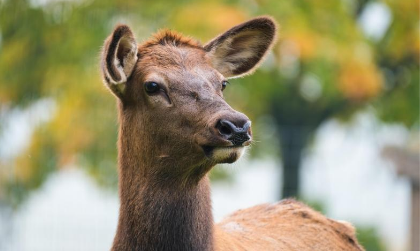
(240, 50)
(119, 57)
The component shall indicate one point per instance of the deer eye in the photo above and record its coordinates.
(151, 87)
(224, 84)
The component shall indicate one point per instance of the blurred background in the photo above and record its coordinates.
(335, 111)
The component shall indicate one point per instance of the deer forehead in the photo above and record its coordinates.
(171, 56)
(176, 66)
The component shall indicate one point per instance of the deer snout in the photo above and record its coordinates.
(237, 131)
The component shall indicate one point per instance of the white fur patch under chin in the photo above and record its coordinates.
(224, 153)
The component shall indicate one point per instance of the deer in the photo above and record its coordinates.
(175, 126)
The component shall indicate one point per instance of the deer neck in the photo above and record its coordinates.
(158, 214)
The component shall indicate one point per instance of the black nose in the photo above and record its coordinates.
(235, 134)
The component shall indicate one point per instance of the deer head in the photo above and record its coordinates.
(170, 95)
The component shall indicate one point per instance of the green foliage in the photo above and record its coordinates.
(369, 238)
(398, 56)
(317, 205)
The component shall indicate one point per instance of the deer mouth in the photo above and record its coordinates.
(223, 154)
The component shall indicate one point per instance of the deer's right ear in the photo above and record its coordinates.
(241, 49)
(119, 56)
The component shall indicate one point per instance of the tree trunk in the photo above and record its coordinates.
(293, 140)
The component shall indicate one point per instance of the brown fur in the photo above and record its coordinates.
(168, 141)
(168, 37)
(286, 225)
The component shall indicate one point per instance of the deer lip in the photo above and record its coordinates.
(208, 150)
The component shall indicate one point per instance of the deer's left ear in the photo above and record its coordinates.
(118, 59)
(239, 50)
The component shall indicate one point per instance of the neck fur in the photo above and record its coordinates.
(156, 214)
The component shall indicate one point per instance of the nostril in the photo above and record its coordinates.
(225, 130)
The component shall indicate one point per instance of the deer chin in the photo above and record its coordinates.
(223, 154)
